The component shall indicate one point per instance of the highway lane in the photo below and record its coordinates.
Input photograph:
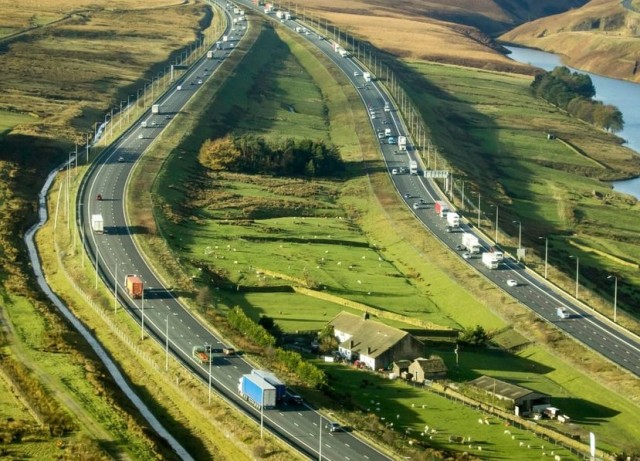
(593, 330)
(117, 255)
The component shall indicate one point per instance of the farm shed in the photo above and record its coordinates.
(399, 367)
(374, 344)
(432, 368)
(520, 397)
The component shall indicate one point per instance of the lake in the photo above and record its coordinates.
(622, 94)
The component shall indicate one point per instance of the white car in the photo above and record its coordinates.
(512, 283)
(140, 136)
(466, 255)
(394, 171)
(356, 73)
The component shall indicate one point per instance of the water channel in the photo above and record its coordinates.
(622, 94)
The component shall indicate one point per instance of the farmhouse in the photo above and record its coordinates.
(374, 344)
(519, 397)
(432, 368)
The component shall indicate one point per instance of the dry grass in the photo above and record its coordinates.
(592, 38)
(68, 73)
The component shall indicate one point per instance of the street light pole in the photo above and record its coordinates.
(615, 297)
(519, 233)
(320, 446)
(497, 214)
(142, 318)
(166, 345)
(546, 255)
(577, 273)
(478, 211)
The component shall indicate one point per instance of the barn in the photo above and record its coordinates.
(374, 344)
(521, 397)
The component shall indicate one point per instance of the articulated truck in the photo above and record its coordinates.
(257, 390)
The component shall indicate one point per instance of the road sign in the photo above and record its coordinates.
(436, 173)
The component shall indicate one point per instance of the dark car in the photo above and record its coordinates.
(334, 427)
(294, 399)
(99, 197)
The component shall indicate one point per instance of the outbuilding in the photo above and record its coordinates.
(432, 368)
(519, 397)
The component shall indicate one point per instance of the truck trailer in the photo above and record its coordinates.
(97, 223)
(471, 243)
(155, 109)
(281, 388)
(202, 354)
(453, 219)
(210, 54)
(490, 261)
(134, 285)
(257, 390)
(440, 208)
(402, 143)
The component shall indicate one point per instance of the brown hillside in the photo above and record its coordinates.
(452, 31)
(601, 37)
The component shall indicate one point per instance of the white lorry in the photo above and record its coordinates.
(413, 167)
(453, 220)
(490, 261)
(402, 143)
(155, 109)
(366, 76)
(387, 131)
(471, 243)
(97, 223)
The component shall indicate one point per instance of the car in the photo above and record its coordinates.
(459, 247)
(99, 197)
(380, 135)
(334, 427)
(140, 136)
(466, 255)
(120, 159)
(294, 399)
(392, 140)
(206, 70)
(394, 171)
(512, 283)
(153, 123)
(199, 82)
(193, 83)
(407, 195)
(373, 116)
(356, 73)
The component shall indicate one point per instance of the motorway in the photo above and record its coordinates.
(164, 316)
(116, 255)
(595, 331)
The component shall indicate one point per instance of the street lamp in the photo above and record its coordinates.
(546, 254)
(577, 273)
(497, 214)
(478, 211)
(519, 233)
(166, 345)
(615, 297)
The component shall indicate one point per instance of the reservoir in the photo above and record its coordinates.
(622, 94)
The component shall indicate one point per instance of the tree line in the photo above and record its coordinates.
(574, 92)
(286, 157)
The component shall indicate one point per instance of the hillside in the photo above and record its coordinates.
(600, 37)
(452, 31)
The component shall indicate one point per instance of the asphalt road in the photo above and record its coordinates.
(300, 426)
(593, 330)
(117, 255)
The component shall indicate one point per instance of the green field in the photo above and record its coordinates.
(494, 132)
(409, 409)
(239, 230)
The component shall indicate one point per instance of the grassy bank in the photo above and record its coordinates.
(556, 189)
(223, 227)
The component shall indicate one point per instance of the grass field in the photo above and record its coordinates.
(235, 226)
(409, 409)
(550, 188)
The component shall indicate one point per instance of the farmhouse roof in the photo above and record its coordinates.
(367, 337)
(502, 388)
(433, 364)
